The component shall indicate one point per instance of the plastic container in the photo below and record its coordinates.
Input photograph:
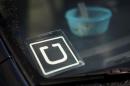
(96, 23)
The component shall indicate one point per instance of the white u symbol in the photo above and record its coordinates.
(42, 49)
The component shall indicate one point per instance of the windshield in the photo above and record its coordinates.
(97, 30)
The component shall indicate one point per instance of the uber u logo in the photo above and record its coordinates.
(57, 61)
(53, 55)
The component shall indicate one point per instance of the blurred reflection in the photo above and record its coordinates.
(42, 15)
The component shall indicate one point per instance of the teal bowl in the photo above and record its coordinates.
(96, 23)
